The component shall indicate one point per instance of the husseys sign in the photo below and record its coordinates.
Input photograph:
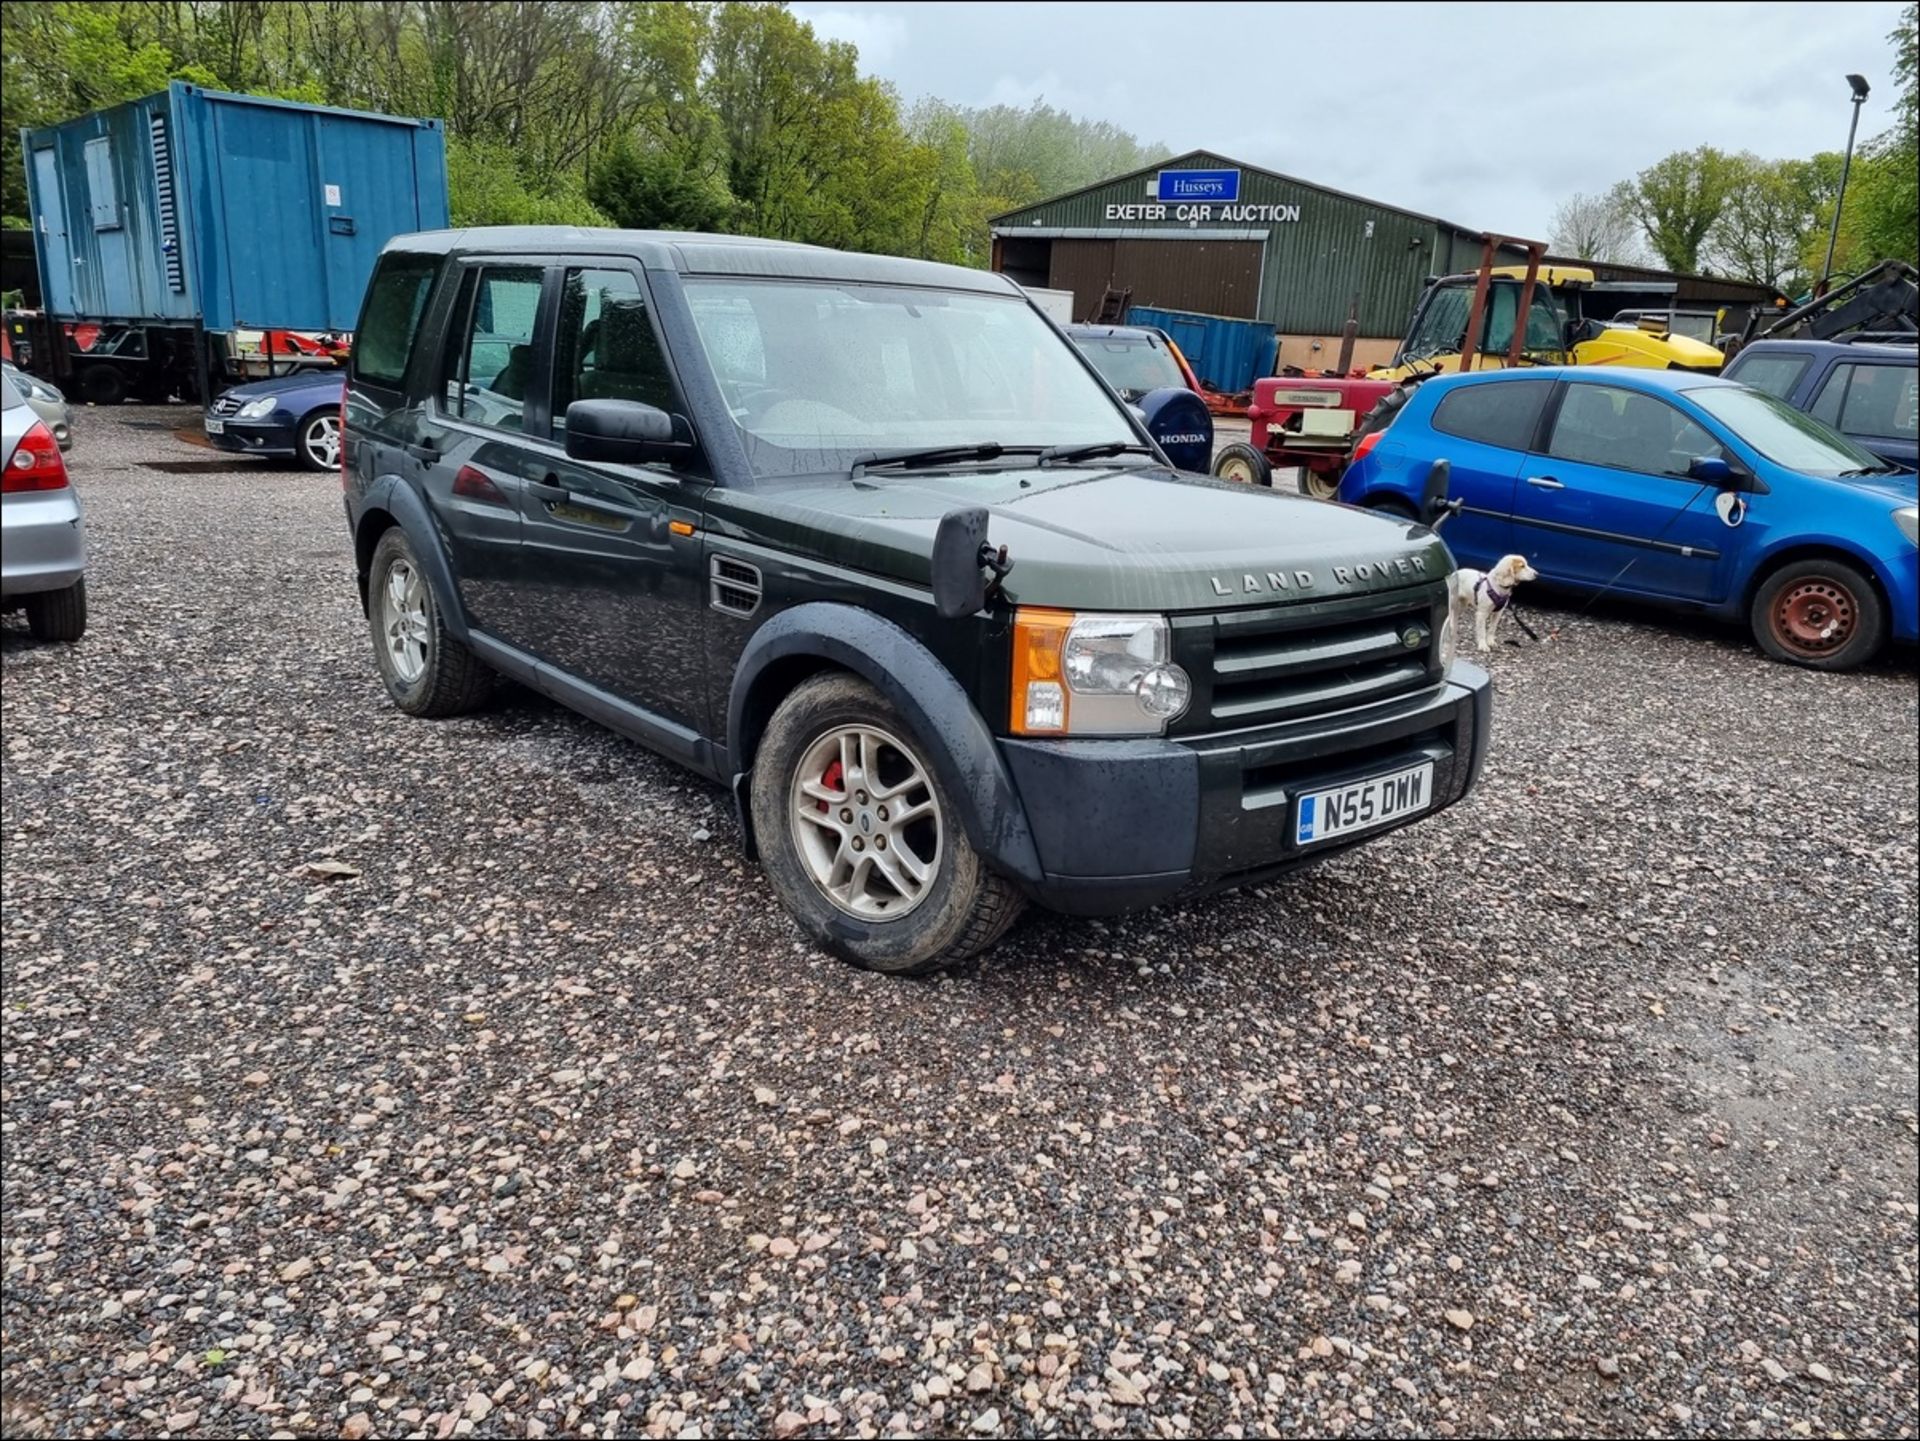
(1201, 195)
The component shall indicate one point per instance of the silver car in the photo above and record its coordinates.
(47, 402)
(43, 540)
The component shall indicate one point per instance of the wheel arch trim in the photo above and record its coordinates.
(963, 755)
(390, 501)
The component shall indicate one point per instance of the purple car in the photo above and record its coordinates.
(290, 416)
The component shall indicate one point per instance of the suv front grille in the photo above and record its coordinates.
(1278, 663)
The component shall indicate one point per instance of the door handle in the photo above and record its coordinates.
(1546, 482)
(545, 490)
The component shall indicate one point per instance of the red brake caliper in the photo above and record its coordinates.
(833, 778)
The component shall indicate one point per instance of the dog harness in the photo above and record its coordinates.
(1497, 598)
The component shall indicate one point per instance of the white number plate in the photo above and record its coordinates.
(216, 427)
(1322, 815)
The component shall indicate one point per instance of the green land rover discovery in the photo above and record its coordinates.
(869, 542)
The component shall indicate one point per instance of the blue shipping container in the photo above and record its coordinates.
(1228, 354)
(232, 211)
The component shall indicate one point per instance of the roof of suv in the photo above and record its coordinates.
(1876, 350)
(697, 254)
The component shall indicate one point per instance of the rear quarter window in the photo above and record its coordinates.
(1495, 414)
(1777, 375)
(390, 317)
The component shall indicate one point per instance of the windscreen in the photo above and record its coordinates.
(818, 375)
(1132, 364)
(1782, 434)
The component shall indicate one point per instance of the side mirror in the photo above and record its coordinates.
(624, 432)
(959, 584)
(1712, 470)
(1433, 497)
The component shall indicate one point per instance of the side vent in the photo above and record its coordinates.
(736, 586)
(168, 213)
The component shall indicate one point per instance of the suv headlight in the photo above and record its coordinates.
(1448, 644)
(1094, 675)
(1908, 519)
(254, 409)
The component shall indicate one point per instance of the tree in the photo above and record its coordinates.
(1598, 227)
(1887, 218)
(1677, 200)
(1770, 216)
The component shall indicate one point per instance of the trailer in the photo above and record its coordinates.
(164, 225)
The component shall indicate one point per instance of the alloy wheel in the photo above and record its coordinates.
(321, 440)
(866, 822)
(403, 621)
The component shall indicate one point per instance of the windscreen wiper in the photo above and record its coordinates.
(1068, 454)
(938, 455)
(1871, 470)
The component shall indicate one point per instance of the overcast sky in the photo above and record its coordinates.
(1474, 113)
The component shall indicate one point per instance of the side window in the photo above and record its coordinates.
(1858, 398)
(1627, 430)
(389, 317)
(1501, 413)
(1777, 375)
(495, 338)
(607, 346)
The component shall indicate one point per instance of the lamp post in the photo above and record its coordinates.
(1859, 84)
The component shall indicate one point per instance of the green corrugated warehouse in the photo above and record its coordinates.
(1204, 233)
(1273, 248)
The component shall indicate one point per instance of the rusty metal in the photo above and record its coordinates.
(1535, 250)
(1348, 332)
(1477, 312)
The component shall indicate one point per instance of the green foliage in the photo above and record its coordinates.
(487, 188)
(1771, 219)
(1678, 199)
(1883, 218)
(656, 189)
(732, 117)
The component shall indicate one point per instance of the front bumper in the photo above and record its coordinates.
(43, 542)
(252, 437)
(1125, 824)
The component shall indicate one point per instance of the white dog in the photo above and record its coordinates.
(1490, 592)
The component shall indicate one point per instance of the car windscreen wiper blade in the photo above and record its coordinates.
(1871, 470)
(938, 455)
(1068, 454)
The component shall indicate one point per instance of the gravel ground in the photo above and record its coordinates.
(1588, 1107)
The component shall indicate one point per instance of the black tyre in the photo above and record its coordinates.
(427, 671)
(864, 847)
(1393, 506)
(58, 614)
(1823, 614)
(103, 385)
(1241, 462)
(317, 442)
(1321, 484)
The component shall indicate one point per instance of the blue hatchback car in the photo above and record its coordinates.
(1678, 488)
(290, 417)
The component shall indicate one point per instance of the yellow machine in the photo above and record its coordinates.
(1558, 331)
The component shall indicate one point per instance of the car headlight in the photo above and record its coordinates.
(1448, 645)
(1094, 675)
(254, 409)
(1908, 519)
